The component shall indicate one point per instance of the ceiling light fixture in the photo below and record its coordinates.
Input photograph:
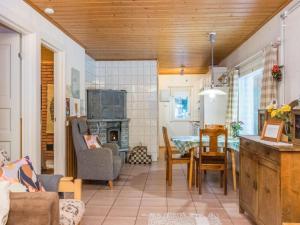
(212, 91)
(49, 11)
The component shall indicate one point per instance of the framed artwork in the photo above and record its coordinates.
(75, 83)
(272, 130)
(68, 107)
(74, 107)
(50, 109)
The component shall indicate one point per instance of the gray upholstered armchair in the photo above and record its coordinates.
(99, 164)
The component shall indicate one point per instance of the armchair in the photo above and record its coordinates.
(99, 164)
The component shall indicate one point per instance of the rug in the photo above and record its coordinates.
(182, 219)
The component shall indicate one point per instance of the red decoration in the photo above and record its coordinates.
(276, 72)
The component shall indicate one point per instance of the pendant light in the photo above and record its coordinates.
(212, 91)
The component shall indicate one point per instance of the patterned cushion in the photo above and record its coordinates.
(4, 159)
(71, 211)
(21, 171)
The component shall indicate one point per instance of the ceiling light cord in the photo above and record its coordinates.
(212, 40)
(212, 92)
(212, 66)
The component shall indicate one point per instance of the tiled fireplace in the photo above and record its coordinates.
(139, 79)
(111, 131)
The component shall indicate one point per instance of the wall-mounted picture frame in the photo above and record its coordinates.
(75, 83)
(272, 130)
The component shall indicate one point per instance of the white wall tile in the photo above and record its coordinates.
(139, 79)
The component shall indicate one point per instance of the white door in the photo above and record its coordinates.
(10, 94)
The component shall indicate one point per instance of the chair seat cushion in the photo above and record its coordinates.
(71, 211)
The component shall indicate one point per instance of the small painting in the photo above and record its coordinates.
(67, 107)
(50, 109)
(75, 83)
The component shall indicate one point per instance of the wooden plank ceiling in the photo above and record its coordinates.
(173, 31)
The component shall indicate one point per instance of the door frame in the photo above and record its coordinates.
(30, 102)
(59, 107)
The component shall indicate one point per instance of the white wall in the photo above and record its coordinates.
(90, 71)
(179, 128)
(139, 79)
(270, 32)
(36, 29)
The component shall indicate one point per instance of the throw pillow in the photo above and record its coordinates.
(21, 171)
(4, 199)
(3, 157)
(92, 141)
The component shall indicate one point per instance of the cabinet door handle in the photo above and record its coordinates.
(247, 175)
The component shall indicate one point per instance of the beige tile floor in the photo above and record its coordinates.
(141, 190)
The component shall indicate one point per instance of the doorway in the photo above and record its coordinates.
(47, 110)
(10, 89)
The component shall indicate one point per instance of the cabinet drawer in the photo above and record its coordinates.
(260, 150)
(268, 153)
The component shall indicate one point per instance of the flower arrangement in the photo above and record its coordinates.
(282, 113)
(276, 72)
(236, 127)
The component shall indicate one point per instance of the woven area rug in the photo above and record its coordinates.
(182, 219)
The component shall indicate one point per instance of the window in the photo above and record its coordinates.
(181, 104)
(249, 101)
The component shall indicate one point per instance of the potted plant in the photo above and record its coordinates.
(236, 127)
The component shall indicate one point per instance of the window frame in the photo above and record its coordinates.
(254, 73)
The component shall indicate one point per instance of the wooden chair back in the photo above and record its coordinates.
(167, 143)
(214, 126)
(213, 135)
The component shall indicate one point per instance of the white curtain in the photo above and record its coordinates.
(249, 101)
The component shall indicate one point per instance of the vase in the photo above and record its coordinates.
(287, 130)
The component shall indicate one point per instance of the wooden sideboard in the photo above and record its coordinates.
(269, 181)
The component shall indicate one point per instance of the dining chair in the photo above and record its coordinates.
(212, 156)
(170, 160)
(231, 152)
(215, 126)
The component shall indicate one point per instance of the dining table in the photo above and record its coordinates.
(185, 143)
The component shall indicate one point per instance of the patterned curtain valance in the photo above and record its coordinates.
(269, 84)
(233, 97)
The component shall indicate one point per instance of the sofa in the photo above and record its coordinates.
(46, 208)
(98, 164)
